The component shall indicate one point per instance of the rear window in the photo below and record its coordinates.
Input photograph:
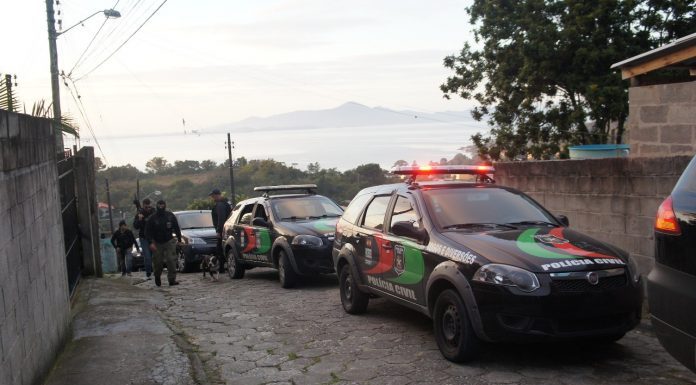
(687, 181)
(355, 208)
(456, 206)
(374, 215)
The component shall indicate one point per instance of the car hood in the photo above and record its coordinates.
(199, 233)
(541, 249)
(319, 227)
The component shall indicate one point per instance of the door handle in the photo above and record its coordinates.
(387, 245)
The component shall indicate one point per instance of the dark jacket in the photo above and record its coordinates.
(123, 239)
(220, 213)
(159, 227)
(140, 224)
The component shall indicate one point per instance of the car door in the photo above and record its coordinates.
(408, 268)
(245, 236)
(261, 231)
(375, 256)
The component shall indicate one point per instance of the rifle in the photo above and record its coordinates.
(136, 202)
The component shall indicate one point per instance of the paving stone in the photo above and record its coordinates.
(254, 332)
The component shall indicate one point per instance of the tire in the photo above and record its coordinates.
(234, 268)
(453, 332)
(607, 339)
(286, 274)
(353, 300)
(182, 265)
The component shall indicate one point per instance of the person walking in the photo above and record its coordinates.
(158, 231)
(123, 241)
(139, 224)
(221, 210)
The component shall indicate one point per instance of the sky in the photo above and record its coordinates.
(212, 62)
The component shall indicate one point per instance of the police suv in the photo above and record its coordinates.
(485, 262)
(291, 231)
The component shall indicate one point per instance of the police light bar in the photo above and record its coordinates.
(307, 187)
(440, 170)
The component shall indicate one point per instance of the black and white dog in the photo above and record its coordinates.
(211, 265)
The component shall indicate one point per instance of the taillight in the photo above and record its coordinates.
(666, 221)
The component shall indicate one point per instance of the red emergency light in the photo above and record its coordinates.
(441, 170)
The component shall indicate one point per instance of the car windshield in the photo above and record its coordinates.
(483, 209)
(197, 220)
(306, 207)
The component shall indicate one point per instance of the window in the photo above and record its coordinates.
(245, 214)
(355, 208)
(260, 212)
(404, 212)
(374, 215)
(305, 207)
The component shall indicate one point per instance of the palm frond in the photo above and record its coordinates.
(8, 99)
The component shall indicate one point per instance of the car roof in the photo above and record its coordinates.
(402, 187)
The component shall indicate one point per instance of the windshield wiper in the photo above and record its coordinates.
(292, 218)
(323, 216)
(533, 223)
(198, 227)
(477, 225)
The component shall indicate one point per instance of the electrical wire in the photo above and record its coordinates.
(83, 112)
(91, 41)
(122, 44)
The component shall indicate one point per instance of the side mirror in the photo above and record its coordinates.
(406, 229)
(258, 221)
(564, 220)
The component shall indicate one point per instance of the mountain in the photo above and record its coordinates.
(349, 114)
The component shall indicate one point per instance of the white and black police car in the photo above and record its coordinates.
(485, 262)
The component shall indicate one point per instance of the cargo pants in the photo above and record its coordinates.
(166, 253)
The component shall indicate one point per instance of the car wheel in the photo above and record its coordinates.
(286, 274)
(354, 301)
(608, 339)
(453, 332)
(182, 266)
(234, 268)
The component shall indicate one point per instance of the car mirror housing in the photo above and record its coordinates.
(406, 229)
(564, 220)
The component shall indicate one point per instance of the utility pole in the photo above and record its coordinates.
(108, 202)
(8, 86)
(230, 143)
(53, 51)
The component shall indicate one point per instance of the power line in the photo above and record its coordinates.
(90, 42)
(83, 112)
(122, 44)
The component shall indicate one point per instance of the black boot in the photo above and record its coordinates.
(158, 281)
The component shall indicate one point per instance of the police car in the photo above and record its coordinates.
(485, 262)
(291, 231)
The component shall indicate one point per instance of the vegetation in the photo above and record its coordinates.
(186, 184)
(540, 71)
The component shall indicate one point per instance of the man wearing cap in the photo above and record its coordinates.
(158, 231)
(220, 212)
(123, 241)
(139, 224)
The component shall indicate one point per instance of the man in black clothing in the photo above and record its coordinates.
(123, 241)
(158, 231)
(220, 212)
(139, 224)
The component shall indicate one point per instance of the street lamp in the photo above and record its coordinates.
(53, 51)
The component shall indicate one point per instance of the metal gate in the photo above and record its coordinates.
(71, 231)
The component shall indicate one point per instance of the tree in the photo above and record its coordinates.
(542, 70)
(208, 165)
(400, 163)
(99, 164)
(157, 165)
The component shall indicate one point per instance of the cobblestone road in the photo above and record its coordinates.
(251, 331)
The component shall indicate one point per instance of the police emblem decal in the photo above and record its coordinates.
(399, 264)
(550, 239)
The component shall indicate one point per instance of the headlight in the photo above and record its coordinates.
(507, 276)
(195, 241)
(633, 270)
(307, 240)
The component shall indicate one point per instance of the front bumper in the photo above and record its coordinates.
(313, 260)
(557, 313)
(672, 300)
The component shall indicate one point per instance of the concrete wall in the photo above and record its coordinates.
(662, 120)
(34, 303)
(613, 200)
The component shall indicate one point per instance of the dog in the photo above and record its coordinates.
(211, 265)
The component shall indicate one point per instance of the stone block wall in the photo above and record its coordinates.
(34, 299)
(662, 120)
(613, 200)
